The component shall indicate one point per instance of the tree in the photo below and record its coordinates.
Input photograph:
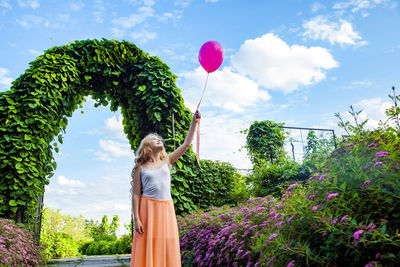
(264, 142)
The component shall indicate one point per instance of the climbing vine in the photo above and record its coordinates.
(34, 115)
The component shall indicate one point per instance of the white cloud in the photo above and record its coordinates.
(225, 89)
(28, 4)
(62, 180)
(143, 36)
(115, 127)
(373, 110)
(34, 52)
(76, 6)
(220, 139)
(111, 150)
(358, 84)
(320, 28)
(316, 6)
(275, 65)
(357, 5)
(30, 21)
(5, 4)
(117, 33)
(182, 3)
(5, 79)
(99, 11)
(132, 20)
(174, 15)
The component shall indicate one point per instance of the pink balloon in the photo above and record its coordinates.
(211, 55)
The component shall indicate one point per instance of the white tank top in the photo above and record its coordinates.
(156, 183)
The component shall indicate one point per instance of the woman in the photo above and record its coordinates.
(156, 238)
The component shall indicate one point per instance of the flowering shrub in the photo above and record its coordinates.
(346, 214)
(18, 247)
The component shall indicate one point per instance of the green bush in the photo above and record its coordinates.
(60, 245)
(267, 178)
(124, 244)
(220, 184)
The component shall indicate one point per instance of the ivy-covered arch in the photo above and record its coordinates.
(35, 111)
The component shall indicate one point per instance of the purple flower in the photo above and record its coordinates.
(357, 234)
(335, 221)
(291, 264)
(350, 145)
(345, 218)
(324, 234)
(381, 154)
(279, 223)
(371, 226)
(373, 144)
(292, 186)
(331, 195)
(378, 163)
(366, 183)
(292, 217)
(272, 237)
(322, 177)
(315, 208)
(369, 264)
(378, 255)
(312, 197)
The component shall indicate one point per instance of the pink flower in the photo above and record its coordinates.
(381, 154)
(322, 177)
(366, 183)
(378, 163)
(324, 234)
(315, 208)
(357, 234)
(291, 264)
(272, 237)
(335, 221)
(292, 186)
(331, 195)
(345, 218)
(371, 226)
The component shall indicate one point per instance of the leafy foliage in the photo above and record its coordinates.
(346, 214)
(267, 178)
(265, 140)
(34, 113)
(317, 150)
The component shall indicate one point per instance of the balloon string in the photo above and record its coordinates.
(198, 105)
(198, 126)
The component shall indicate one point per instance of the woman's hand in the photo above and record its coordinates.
(138, 227)
(196, 116)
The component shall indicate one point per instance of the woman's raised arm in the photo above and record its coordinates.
(174, 156)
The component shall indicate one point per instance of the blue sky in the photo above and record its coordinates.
(296, 62)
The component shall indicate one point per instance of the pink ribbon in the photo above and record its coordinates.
(198, 126)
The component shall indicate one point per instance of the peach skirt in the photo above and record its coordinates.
(158, 246)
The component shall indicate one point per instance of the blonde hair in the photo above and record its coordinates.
(143, 155)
